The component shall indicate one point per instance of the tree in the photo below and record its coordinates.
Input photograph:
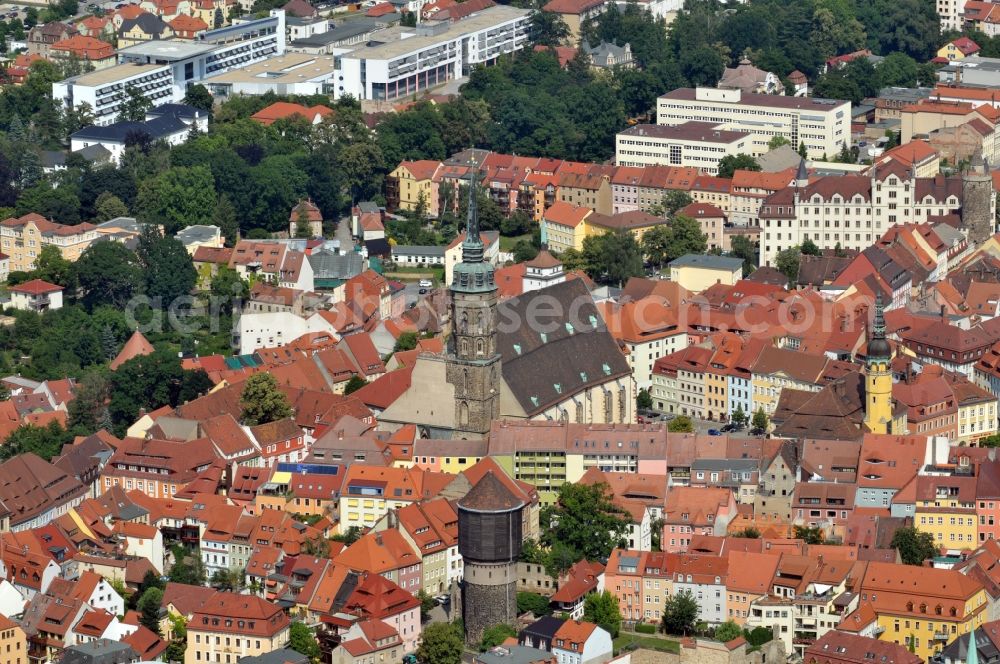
(672, 201)
(349, 536)
(787, 263)
(643, 400)
(738, 162)
(739, 418)
(427, 604)
(187, 568)
(809, 248)
(743, 247)
(149, 609)
(134, 105)
(302, 640)
(227, 579)
(612, 257)
(406, 341)
(747, 533)
(702, 66)
(680, 614)
(760, 420)
(303, 229)
(809, 534)
(355, 383)
(547, 28)
(224, 216)
(262, 401)
(108, 206)
(990, 441)
(537, 605)
(898, 69)
(777, 141)
(169, 270)
(199, 97)
(179, 197)
(914, 546)
(585, 521)
(728, 631)
(441, 643)
(50, 266)
(108, 273)
(229, 289)
(45, 441)
(602, 610)
(495, 635)
(681, 424)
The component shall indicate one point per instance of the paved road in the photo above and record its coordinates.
(343, 233)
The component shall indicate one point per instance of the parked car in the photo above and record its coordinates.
(422, 291)
(756, 432)
(714, 432)
(425, 283)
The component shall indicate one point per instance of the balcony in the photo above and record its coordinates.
(39, 302)
(941, 636)
(879, 630)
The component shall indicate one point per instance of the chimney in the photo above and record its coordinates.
(943, 317)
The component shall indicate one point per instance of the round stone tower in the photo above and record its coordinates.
(489, 540)
(978, 201)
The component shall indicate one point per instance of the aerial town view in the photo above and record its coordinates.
(500, 332)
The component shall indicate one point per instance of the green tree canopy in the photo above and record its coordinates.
(740, 162)
(585, 520)
(681, 424)
(680, 614)
(602, 610)
(441, 643)
(914, 546)
(728, 631)
(108, 273)
(612, 257)
(787, 263)
(149, 609)
(179, 197)
(302, 640)
(262, 400)
(495, 635)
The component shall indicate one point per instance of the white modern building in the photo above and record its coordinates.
(170, 122)
(823, 125)
(402, 61)
(164, 69)
(697, 144)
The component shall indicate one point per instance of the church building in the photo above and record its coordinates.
(545, 355)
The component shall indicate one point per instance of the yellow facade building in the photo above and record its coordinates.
(22, 239)
(696, 272)
(922, 607)
(411, 182)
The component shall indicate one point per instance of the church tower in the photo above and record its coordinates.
(473, 359)
(878, 376)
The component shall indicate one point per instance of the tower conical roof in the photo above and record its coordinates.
(135, 346)
(490, 495)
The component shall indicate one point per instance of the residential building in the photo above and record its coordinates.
(229, 626)
(24, 237)
(822, 125)
(939, 605)
(563, 226)
(578, 642)
(171, 123)
(36, 295)
(90, 50)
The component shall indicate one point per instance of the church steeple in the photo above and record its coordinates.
(473, 357)
(472, 246)
(473, 274)
(878, 376)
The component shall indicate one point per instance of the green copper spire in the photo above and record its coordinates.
(472, 247)
(972, 656)
(473, 274)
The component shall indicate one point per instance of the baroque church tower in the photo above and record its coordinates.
(878, 376)
(473, 359)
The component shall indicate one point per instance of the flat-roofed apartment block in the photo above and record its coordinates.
(823, 125)
(697, 144)
(401, 61)
(163, 70)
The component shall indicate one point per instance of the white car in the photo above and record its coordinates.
(425, 283)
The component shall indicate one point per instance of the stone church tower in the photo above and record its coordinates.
(878, 376)
(473, 361)
(978, 201)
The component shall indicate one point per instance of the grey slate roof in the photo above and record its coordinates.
(196, 233)
(148, 23)
(331, 265)
(418, 250)
(159, 127)
(280, 656)
(100, 651)
(561, 354)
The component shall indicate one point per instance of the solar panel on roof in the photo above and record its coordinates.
(312, 468)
